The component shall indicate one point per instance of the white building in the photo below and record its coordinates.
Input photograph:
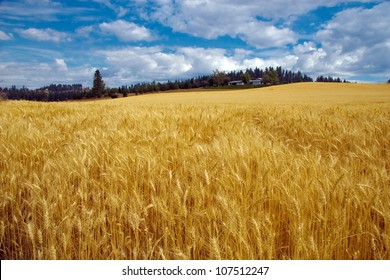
(258, 81)
(236, 83)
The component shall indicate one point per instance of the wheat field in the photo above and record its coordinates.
(288, 172)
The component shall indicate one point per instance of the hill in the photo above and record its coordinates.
(298, 93)
(289, 172)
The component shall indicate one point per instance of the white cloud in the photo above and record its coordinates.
(282, 9)
(137, 64)
(263, 35)
(61, 65)
(4, 36)
(310, 58)
(353, 28)
(140, 64)
(127, 31)
(84, 31)
(253, 21)
(35, 75)
(354, 42)
(122, 12)
(47, 34)
(212, 19)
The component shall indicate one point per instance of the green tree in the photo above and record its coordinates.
(98, 84)
(219, 77)
(271, 77)
(246, 78)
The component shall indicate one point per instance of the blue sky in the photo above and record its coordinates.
(49, 41)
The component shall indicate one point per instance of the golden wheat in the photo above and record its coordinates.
(289, 172)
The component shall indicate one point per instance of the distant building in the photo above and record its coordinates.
(258, 81)
(236, 83)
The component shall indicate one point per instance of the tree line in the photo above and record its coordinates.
(329, 79)
(52, 92)
(61, 92)
(268, 76)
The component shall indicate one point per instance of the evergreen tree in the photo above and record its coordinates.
(98, 84)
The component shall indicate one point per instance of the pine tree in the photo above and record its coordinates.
(98, 84)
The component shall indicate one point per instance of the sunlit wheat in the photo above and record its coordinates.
(291, 172)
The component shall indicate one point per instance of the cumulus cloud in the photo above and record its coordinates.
(348, 45)
(212, 19)
(139, 64)
(61, 65)
(353, 28)
(310, 58)
(46, 34)
(127, 31)
(263, 35)
(257, 22)
(354, 42)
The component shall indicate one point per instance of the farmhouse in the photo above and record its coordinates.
(236, 83)
(258, 81)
